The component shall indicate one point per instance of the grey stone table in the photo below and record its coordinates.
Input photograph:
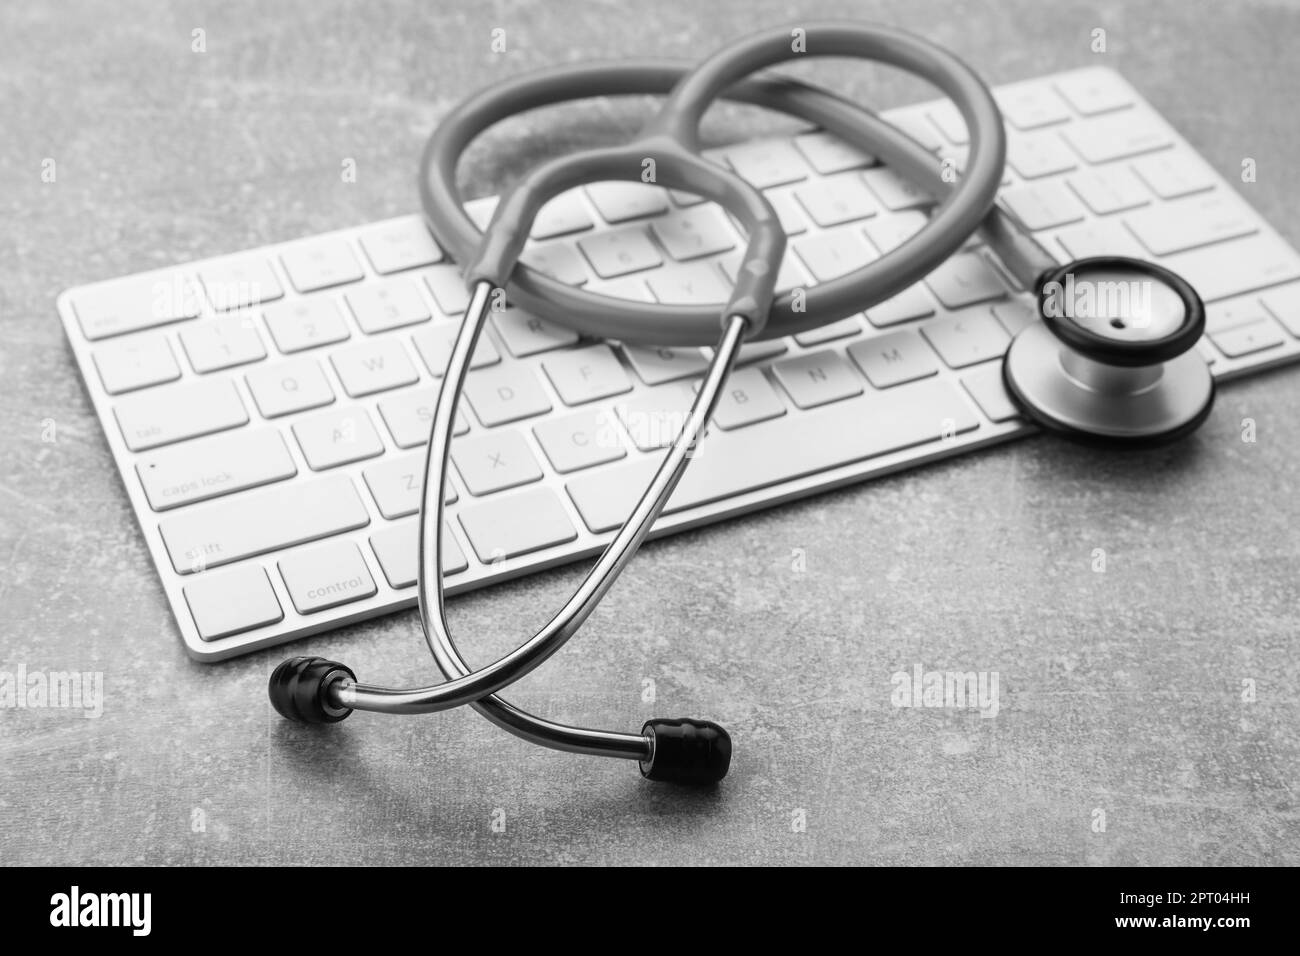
(1125, 733)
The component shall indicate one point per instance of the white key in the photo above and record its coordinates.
(558, 261)
(1094, 91)
(830, 332)
(915, 125)
(1030, 107)
(911, 303)
(1016, 315)
(838, 200)
(299, 324)
(698, 232)
(525, 334)
(448, 289)
(730, 462)
(287, 387)
(623, 201)
(326, 576)
(1234, 268)
(494, 462)
(561, 216)
(629, 287)
(1248, 339)
(767, 163)
(480, 210)
(373, 366)
(817, 379)
(1172, 175)
(387, 305)
(398, 551)
(586, 374)
(654, 366)
(399, 245)
(949, 122)
(1105, 237)
(747, 398)
(320, 264)
(409, 417)
(337, 437)
(435, 344)
(260, 521)
(965, 279)
(696, 283)
(210, 467)
(830, 255)
(1109, 189)
(397, 485)
(579, 441)
(232, 602)
(788, 210)
(967, 338)
(790, 276)
(620, 251)
(752, 352)
(136, 362)
(893, 359)
(1284, 305)
(1234, 312)
(1040, 154)
(1042, 205)
(129, 305)
(171, 413)
(1179, 226)
(1117, 136)
(654, 418)
(222, 343)
(516, 524)
(889, 232)
(985, 386)
(895, 192)
(828, 154)
(505, 394)
(238, 282)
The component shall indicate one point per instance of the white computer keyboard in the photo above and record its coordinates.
(267, 410)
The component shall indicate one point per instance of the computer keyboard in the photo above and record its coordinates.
(268, 410)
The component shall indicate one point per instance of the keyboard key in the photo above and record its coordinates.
(561, 216)
(894, 192)
(516, 524)
(398, 551)
(1100, 237)
(288, 387)
(480, 211)
(586, 374)
(171, 413)
(326, 576)
(654, 366)
(1179, 226)
(654, 418)
(767, 163)
(793, 220)
(965, 279)
(985, 386)
(1015, 315)
(238, 282)
(1247, 339)
(210, 467)
(911, 303)
(730, 462)
(1237, 267)
(232, 602)
(698, 232)
(830, 332)
(1119, 136)
(525, 334)
(261, 521)
(620, 251)
(950, 123)
(629, 287)
(300, 324)
(890, 232)
(1109, 189)
(1094, 91)
(833, 254)
(579, 441)
(136, 362)
(506, 394)
(1031, 106)
(1284, 305)
(409, 417)
(1234, 312)
(747, 398)
(448, 289)
(1042, 205)
(222, 343)
(967, 339)
(696, 283)
(893, 359)
(791, 276)
(387, 305)
(373, 366)
(624, 201)
(827, 153)
(130, 305)
(560, 262)
(321, 264)
(817, 378)
(915, 125)
(752, 352)
(1040, 154)
(397, 485)
(494, 462)
(337, 437)
(434, 346)
(399, 245)
(1172, 175)
(838, 200)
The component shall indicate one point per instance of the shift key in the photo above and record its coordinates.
(210, 535)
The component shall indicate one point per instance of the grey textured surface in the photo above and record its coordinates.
(1121, 691)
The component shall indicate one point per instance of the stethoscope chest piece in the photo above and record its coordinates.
(1113, 360)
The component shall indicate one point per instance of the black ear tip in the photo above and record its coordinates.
(297, 690)
(696, 752)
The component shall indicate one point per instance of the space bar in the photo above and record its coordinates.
(795, 445)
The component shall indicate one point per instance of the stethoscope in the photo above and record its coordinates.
(1121, 370)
